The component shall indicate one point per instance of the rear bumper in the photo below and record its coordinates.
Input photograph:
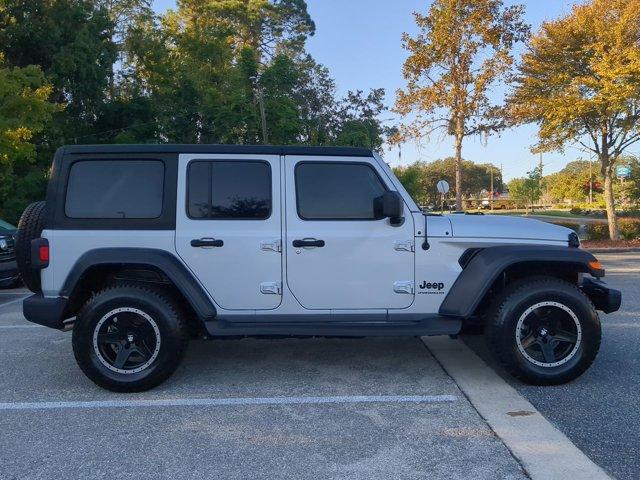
(48, 312)
(604, 298)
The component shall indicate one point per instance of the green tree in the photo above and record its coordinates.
(420, 178)
(526, 191)
(463, 49)
(359, 120)
(580, 82)
(25, 111)
(69, 40)
(572, 182)
(125, 17)
(627, 190)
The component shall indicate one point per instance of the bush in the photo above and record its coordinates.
(572, 225)
(629, 228)
(576, 211)
(629, 213)
(597, 231)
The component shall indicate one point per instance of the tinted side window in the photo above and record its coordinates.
(115, 189)
(337, 191)
(229, 190)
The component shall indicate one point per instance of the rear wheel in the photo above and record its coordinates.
(544, 331)
(129, 338)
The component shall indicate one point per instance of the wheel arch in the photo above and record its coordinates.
(486, 269)
(95, 268)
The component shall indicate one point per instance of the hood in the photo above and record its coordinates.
(498, 226)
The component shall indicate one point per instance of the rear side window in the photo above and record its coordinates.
(115, 189)
(337, 191)
(223, 190)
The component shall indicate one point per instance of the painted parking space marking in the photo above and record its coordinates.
(19, 327)
(12, 302)
(225, 402)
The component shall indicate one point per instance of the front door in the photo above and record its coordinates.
(228, 228)
(340, 253)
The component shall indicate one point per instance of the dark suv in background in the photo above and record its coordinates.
(9, 276)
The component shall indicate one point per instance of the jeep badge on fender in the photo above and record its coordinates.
(235, 241)
(434, 287)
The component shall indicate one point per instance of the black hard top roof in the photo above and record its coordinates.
(237, 149)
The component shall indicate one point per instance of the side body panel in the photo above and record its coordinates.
(361, 264)
(67, 246)
(245, 273)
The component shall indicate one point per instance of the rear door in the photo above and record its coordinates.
(350, 258)
(228, 227)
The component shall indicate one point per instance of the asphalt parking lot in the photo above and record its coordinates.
(443, 438)
(318, 408)
(600, 411)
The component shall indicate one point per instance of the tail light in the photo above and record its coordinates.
(40, 254)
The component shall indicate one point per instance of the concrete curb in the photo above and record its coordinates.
(543, 451)
(613, 250)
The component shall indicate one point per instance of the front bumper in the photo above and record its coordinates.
(604, 298)
(8, 273)
(48, 312)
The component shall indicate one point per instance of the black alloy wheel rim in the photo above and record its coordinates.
(126, 340)
(548, 334)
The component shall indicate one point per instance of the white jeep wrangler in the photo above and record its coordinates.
(140, 247)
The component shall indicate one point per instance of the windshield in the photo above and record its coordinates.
(6, 226)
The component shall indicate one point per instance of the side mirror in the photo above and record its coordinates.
(390, 205)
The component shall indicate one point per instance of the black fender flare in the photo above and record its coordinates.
(484, 267)
(162, 260)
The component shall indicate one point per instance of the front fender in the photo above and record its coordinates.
(483, 269)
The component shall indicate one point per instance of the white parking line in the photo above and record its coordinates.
(224, 402)
(12, 302)
(18, 327)
(543, 450)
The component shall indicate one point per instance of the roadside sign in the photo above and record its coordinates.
(623, 171)
(443, 187)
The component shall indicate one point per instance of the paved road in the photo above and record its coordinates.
(581, 220)
(399, 440)
(600, 412)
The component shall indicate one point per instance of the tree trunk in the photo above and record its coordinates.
(459, 134)
(610, 203)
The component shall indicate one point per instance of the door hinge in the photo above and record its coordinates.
(403, 287)
(404, 245)
(271, 245)
(271, 288)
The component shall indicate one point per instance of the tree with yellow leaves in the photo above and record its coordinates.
(462, 50)
(580, 82)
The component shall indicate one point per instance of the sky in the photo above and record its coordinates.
(360, 42)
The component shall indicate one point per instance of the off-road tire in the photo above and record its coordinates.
(165, 314)
(511, 305)
(30, 227)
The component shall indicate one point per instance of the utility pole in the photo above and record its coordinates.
(491, 197)
(263, 114)
(540, 179)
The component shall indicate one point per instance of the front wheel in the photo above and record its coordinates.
(544, 331)
(129, 338)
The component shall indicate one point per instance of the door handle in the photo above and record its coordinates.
(308, 242)
(206, 242)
